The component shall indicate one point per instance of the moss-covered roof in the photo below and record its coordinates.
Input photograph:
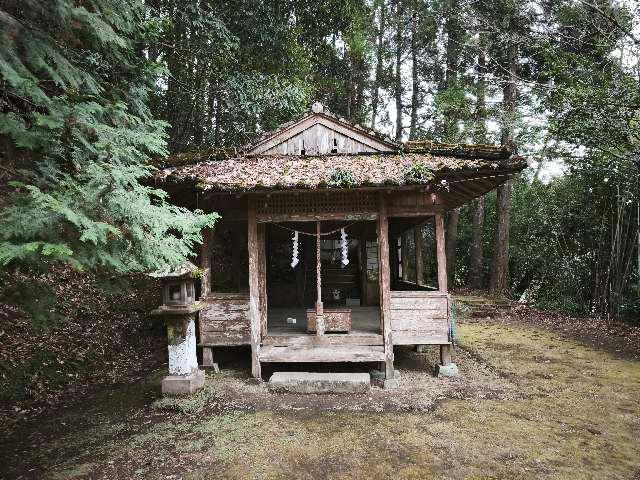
(419, 165)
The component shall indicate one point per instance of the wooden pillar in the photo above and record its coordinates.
(205, 262)
(441, 254)
(363, 269)
(385, 292)
(417, 239)
(404, 252)
(254, 289)
(445, 354)
(319, 305)
(262, 280)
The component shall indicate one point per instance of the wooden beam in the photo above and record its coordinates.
(385, 291)
(301, 217)
(417, 239)
(254, 290)
(440, 252)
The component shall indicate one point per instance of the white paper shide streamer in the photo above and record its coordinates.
(294, 259)
(345, 247)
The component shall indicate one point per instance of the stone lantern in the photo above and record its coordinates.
(179, 308)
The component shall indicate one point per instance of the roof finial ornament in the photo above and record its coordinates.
(317, 107)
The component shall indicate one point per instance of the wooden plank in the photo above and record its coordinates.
(239, 323)
(441, 255)
(419, 338)
(224, 339)
(328, 339)
(418, 303)
(383, 271)
(418, 321)
(417, 293)
(221, 308)
(334, 353)
(254, 290)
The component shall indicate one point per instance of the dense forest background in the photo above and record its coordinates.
(91, 91)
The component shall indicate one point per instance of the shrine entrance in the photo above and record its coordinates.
(325, 269)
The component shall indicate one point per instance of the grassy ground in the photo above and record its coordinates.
(528, 404)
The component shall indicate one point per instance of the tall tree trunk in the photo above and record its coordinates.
(476, 267)
(415, 79)
(499, 281)
(452, 244)
(453, 29)
(398, 73)
(476, 270)
(375, 97)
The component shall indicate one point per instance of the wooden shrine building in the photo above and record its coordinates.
(330, 246)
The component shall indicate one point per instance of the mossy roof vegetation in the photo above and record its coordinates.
(211, 171)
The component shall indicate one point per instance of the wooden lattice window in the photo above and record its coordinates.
(318, 203)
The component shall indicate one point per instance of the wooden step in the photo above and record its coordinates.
(332, 353)
(324, 340)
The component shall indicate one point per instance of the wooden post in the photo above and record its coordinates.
(445, 354)
(441, 253)
(254, 289)
(404, 252)
(205, 263)
(363, 269)
(319, 306)
(383, 267)
(262, 280)
(417, 238)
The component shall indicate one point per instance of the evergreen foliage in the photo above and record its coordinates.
(75, 105)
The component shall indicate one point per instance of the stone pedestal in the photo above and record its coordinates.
(450, 370)
(184, 375)
(183, 384)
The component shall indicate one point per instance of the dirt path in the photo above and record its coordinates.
(528, 404)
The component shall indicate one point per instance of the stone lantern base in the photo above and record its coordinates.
(173, 385)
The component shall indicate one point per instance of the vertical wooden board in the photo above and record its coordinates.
(254, 290)
(441, 254)
(383, 267)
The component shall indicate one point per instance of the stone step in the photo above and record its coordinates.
(312, 382)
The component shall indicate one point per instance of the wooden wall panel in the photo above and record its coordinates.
(419, 318)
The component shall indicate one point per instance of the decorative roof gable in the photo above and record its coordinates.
(319, 133)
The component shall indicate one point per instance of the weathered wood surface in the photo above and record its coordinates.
(419, 318)
(224, 320)
(205, 262)
(417, 303)
(316, 134)
(329, 339)
(445, 354)
(334, 353)
(383, 268)
(254, 291)
(262, 279)
(441, 254)
(419, 338)
(335, 320)
(418, 241)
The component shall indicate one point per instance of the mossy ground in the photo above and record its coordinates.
(528, 404)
